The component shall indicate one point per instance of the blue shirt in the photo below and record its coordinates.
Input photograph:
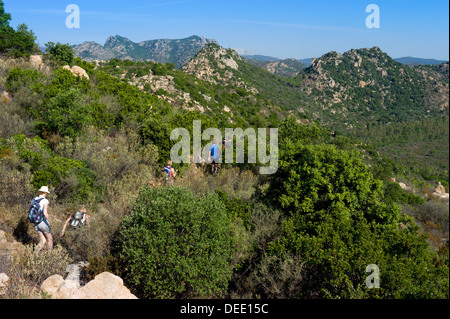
(214, 149)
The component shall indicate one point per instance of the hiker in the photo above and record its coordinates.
(76, 220)
(214, 157)
(38, 215)
(170, 173)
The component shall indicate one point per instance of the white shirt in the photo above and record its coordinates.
(43, 202)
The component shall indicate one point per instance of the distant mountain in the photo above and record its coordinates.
(283, 68)
(177, 52)
(307, 62)
(260, 92)
(411, 61)
(366, 85)
(263, 58)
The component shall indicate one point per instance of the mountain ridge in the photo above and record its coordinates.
(374, 87)
(176, 51)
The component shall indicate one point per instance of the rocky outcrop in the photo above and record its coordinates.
(5, 97)
(358, 81)
(218, 66)
(77, 71)
(405, 187)
(36, 60)
(440, 193)
(104, 286)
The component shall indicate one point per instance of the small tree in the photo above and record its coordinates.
(177, 245)
(4, 17)
(339, 221)
(20, 43)
(60, 52)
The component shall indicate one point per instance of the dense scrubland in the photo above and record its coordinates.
(308, 231)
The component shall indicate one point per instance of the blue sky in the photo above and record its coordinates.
(283, 28)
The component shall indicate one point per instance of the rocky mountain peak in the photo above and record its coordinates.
(216, 64)
(177, 51)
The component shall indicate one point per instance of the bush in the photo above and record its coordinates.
(60, 52)
(436, 212)
(65, 115)
(28, 270)
(177, 245)
(18, 78)
(339, 222)
(20, 43)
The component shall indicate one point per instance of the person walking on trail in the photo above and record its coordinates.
(38, 215)
(214, 157)
(169, 173)
(76, 220)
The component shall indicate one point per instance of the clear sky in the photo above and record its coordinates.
(283, 28)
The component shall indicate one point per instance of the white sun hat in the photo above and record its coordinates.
(44, 189)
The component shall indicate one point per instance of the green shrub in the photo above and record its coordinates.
(60, 52)
(20, 43)
(67, 114)
(31, 151)
(175, 244)
(71, 178)
(18, 78)
(339, 222)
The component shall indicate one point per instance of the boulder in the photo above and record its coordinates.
(5, 97)
(36, 60)
(66, 289)
(77, 71)
(440, 189)
(104, 286)
(51, 285)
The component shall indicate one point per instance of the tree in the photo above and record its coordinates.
(339, 221)
(176, 245)
(4, 17)
(60, 52)
(20, 43)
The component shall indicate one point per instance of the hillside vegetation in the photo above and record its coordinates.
(308, 231)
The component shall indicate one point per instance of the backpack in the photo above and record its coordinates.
(168, 171)
(36, 214)
(78, 219)
(213, 151)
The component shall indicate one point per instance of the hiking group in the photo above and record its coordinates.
(214, 157)
(38, 215)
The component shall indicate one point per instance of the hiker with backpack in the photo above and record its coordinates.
(38, 215)
(214, 157)
(76, 220)
(169, 173)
